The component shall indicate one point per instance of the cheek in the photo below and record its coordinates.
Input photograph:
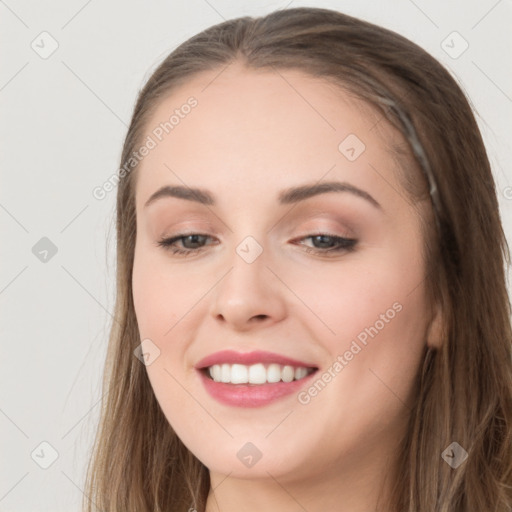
(148, 299)
(158, 296)
(350, 296)
(167, 304)
(160, 307)
(380, 322)
(374, 309)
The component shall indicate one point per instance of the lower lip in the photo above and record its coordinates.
(251, 395)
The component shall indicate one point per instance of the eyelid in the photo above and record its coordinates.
(334, 228)
(343, 244)
(338, 230)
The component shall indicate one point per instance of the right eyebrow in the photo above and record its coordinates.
(190, 194)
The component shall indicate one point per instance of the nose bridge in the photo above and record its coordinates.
(247, 276)
(249, 289)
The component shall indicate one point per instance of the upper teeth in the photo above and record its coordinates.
(256, 373)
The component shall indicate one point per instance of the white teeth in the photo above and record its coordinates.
(288, 373)
(274, 373)
(239, 374)
(226, 373)
(216, 372)
(256, 373)
(300, 373)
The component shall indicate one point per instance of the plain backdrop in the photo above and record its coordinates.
(69, 75)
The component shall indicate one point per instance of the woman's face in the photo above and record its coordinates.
(346, 309)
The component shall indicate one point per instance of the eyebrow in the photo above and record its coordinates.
(288, 196)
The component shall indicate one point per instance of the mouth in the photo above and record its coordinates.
(256, 374)
(252, 379)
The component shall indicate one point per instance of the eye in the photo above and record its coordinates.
(193, 239)
(193, 243)
(327, 243)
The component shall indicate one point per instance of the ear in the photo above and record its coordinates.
(435, 330)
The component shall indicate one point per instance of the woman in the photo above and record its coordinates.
(311, 300)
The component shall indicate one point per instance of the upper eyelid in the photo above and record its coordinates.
(342, 226)
(177, 238)
(309, 232)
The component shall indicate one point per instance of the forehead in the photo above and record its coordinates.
(247, 126)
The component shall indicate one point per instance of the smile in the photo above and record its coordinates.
(256, 373)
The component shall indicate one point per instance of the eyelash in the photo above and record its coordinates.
(344, 244)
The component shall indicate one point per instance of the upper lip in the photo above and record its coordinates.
(248, 358)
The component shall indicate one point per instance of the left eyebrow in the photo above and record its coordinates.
(296, 194)
(287, 196)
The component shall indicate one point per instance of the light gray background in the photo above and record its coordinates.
(62, 125)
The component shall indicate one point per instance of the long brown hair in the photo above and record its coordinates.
(464, 388)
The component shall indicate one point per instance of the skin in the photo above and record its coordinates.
(251, 136)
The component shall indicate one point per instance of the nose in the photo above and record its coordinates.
(249, 295)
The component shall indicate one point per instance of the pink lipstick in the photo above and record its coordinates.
(252, 379)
